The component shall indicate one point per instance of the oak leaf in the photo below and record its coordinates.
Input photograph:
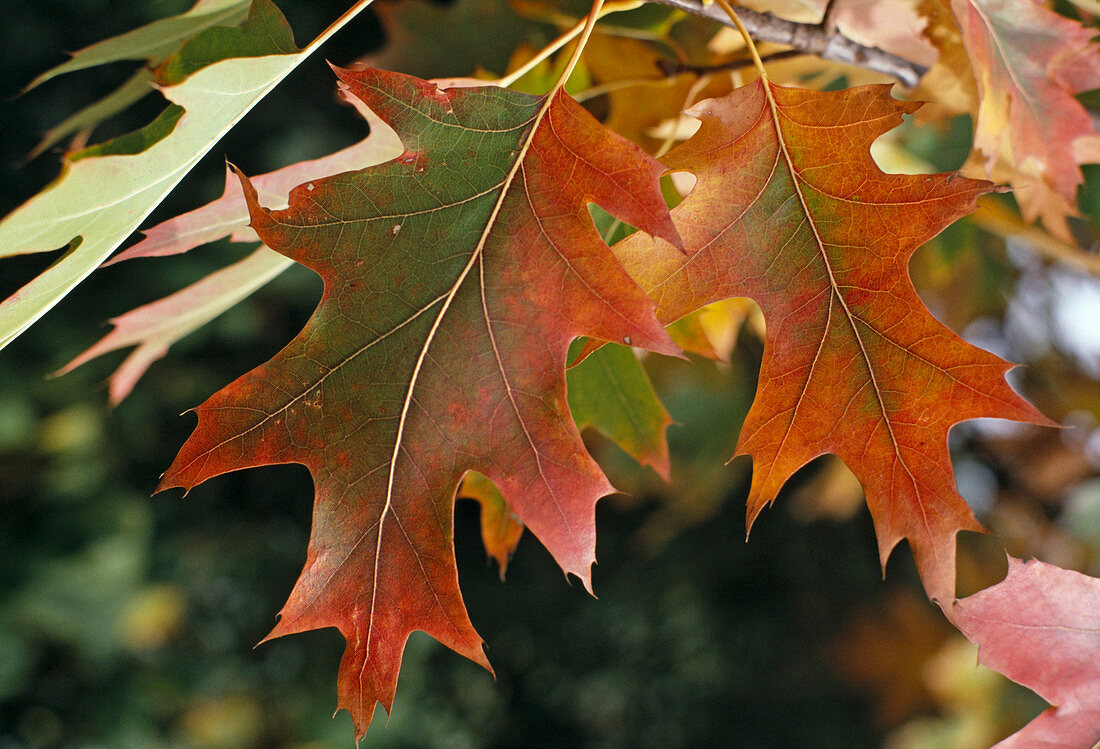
(1029, 62)
(501, 529)
(791, 211)
(948, 88)
(455, 278)
(1040, 627)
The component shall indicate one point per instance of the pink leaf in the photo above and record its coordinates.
(1040, 627)
(155, 326)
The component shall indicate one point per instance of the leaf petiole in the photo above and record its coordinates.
(606, 9)
(757, 62)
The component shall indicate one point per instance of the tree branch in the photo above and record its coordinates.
(828, 18)
(820, 39)
(671, 67)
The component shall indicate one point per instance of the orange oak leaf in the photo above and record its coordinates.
(1040, 627)
(791, 211)
(1029, 62)
(501, 530)
(456, 276)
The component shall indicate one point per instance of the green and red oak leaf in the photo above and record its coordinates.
(790, 210)
(456, 276)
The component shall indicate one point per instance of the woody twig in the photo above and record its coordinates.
(820, 39)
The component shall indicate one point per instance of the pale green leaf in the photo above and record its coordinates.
(611, 392)
(135, 87)
(97, 202)
(153, 42)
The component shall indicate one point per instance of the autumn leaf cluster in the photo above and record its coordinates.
(479, 313)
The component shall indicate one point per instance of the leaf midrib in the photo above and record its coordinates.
(835, 294)
(448, 299)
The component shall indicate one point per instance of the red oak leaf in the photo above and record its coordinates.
(791, 211)
(1040, 627)
(456, 276)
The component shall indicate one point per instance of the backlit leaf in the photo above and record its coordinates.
(501, 529)
(610, 391)
(135, 88)
(1029, 63)
(791, 211)
(153, 327)
(153, 42)
(97, 202)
